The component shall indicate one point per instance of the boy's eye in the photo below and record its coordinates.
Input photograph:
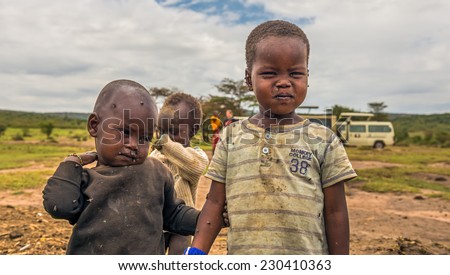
(297, 74)
(125, 132)
(267, 74)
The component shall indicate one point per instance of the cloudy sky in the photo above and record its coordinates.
(55, 56)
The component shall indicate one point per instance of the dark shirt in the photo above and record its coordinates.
(118, 210)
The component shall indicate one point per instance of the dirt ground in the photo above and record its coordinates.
(380, 223)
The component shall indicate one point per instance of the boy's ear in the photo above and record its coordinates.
(248, 80)
(93, 124)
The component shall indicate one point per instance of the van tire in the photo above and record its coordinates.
(378, 145)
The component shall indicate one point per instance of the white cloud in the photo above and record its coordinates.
(366, 51)
(57, 55)
(66, 47)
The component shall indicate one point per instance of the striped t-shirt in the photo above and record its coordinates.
(274, 180)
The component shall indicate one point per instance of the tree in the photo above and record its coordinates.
(162, 92)
(239, 94)
(47, 128)
(217, 103)
(338, 109)
(2, 129)
(377, 109)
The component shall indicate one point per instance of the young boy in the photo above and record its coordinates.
(178, 121)
(122, 205)
(282, 176)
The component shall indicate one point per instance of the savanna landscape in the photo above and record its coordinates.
(399, 204)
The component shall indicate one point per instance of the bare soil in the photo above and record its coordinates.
(380, 223)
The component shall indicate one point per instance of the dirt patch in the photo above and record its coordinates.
(397, 223)
(28, 197)
(30, 230)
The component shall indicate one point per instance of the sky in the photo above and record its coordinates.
(55, 56)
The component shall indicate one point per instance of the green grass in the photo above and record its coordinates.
(402, 155)
(403, 179)
(27, 154)
(36, 135)
(398, 176)
(18, 181)
(36, 150)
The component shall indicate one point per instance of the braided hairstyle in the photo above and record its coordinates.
(176, 99)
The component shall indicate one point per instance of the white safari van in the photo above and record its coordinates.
(364, 133)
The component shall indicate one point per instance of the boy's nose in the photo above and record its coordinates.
(133, 143)
(283, 83)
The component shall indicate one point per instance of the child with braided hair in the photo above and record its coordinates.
(178, 122)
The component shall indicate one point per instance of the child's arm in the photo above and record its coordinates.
(62, 196)
(210, 221)
(177, 216)
(336, 219)
(190, 162)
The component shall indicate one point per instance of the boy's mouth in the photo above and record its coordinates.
(283, 96)
(132, 156)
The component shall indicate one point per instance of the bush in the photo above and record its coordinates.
(26, 132)
(17, 137)
(2, 129)
(401, 135)
(47, 128)
(442, 137)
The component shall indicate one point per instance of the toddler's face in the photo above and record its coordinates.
(124, 133)
(279, 75)
(177, 122)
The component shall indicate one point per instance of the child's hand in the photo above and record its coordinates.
(226, 222)
(84, 158)
(161, 141)
(89, 157)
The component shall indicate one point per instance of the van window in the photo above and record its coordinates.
(379, 128)
(357, 128)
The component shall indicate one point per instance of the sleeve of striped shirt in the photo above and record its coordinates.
(218, 167)
(336, 166)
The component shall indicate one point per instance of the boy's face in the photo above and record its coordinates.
(178, 122)
(279, 75)
(123, 133)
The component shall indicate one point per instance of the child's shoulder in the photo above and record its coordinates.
(153, 161)
(317, 129)
(156, 167)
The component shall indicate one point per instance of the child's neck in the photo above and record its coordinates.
(267, 120)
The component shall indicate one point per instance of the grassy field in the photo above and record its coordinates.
(28, 163)
(417, 169)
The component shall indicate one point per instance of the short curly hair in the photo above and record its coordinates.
(272, 28)
(177, 98)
